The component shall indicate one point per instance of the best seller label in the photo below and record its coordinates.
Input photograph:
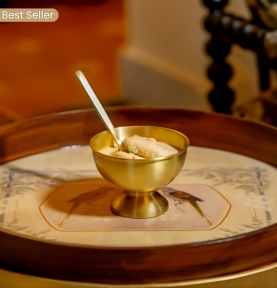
(28, 15)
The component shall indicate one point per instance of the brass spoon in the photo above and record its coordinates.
(99, 108)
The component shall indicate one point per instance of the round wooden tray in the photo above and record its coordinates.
(138, 265)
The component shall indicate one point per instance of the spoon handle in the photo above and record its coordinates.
(99, 108)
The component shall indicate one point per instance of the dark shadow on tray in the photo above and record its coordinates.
(90, 196)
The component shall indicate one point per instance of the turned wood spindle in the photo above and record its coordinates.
(227, 30)
(221, 96)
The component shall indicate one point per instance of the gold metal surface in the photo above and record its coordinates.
(140, 178)
(133, 204)
(257, 278)
(99, 108)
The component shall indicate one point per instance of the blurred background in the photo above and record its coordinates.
(133, 52)
(38, 60)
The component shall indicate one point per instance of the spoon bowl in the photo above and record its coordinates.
(139, 179)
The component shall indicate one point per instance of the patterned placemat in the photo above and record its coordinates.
(60, 196)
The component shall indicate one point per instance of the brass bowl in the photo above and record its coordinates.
(140, 178)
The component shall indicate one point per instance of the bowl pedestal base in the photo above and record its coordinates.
(139, 205)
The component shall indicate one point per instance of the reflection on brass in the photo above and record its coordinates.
(140, 178)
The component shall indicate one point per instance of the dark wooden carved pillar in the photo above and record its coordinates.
(227, 30)
(221, 96)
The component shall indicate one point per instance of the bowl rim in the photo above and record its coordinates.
(144, 160)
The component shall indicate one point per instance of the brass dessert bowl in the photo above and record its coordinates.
(140, 178)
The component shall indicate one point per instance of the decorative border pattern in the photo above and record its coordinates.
(252, 182)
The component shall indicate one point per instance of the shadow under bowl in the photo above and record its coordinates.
(140, 178)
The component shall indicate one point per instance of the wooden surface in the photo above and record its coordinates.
(139, 265)
(227, 30)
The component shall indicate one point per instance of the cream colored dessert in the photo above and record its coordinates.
(145, 147)
(137, 147)
(167, 146)
(125, 155)
(110, 151)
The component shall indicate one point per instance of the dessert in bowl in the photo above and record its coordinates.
(140, 177)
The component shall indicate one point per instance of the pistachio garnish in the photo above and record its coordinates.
(133, 149)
